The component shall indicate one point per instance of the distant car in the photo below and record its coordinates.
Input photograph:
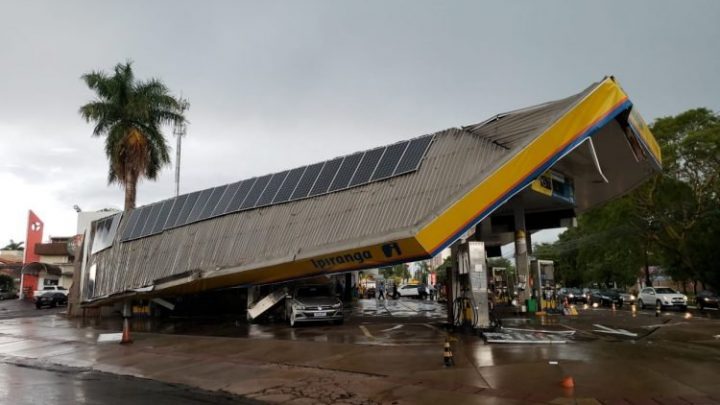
(313, 303)
(370, 292)
(413, 290)
(50, 289)
(707, 299)
(662, 297)
(573, 295)
(8, 294)
(627, 298)
(606, 298)
(51, 300)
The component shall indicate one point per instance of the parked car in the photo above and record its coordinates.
(313, 303)
(707, 299)
(627, 297)
(8, 294)
(606, 298)
(51, 300)
(413, 290)
(573, 295)
(663, 297)
(48, 289)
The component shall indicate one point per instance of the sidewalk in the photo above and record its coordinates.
(298, 372)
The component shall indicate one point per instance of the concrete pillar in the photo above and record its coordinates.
(522, 265)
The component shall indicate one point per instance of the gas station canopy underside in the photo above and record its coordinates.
(553, 160)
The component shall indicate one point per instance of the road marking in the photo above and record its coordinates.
(393, 328)
(605, 329)
(366, 332)
(557, 332)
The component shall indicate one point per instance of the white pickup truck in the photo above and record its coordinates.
(50, 289)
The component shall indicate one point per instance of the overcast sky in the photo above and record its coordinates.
(275, 85)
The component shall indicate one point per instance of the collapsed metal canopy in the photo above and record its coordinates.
(467, 173)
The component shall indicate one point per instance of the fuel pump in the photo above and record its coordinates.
(470, 287)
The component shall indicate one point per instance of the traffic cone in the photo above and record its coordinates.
(567, 382)
(126, 332)
(447, 355)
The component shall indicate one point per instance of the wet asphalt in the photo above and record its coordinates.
(24, 385)
(391, 352)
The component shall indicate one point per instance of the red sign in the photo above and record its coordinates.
(34, 236)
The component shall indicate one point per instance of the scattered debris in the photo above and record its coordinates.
(109, 337)
(525, 337)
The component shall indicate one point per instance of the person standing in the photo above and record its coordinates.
(381, 290)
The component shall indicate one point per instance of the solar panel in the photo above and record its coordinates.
(175, 211)
(239, 197)
(255, 191)
(162, 216)
(367, 166)
(131, 223)
(307, 181)
(389, 161)
(186, 209)
(347, 169)
(199, 205)
(288, 185)
(212, 202)
(326, 176)
(413, 155)
(226, 198)
(142, 219)
(272, 188)
(151, 219)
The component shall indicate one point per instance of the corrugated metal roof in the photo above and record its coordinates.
(457, 161)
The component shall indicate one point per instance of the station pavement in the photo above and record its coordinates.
(397, 359)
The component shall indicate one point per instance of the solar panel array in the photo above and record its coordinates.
(290, 185)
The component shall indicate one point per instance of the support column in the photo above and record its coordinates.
(522, 265)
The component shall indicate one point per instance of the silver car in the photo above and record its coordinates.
(313, 303)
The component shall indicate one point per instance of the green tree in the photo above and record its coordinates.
(681, 204)
(130, 114)
(6, 282)
(14, 245)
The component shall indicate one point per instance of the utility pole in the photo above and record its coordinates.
(179, 131)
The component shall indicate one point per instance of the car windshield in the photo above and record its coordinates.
(665, 290)
(314, 291)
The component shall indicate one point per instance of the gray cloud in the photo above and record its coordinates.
(281, 84)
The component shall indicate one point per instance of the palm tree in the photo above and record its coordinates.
(14, 245)
(129, 113)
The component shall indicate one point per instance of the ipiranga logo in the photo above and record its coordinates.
(358, 257)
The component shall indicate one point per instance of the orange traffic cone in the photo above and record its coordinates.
(567, 382)
(447, 355)
(126, 332)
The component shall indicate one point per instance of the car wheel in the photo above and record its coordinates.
(658, 304)
(292, 318)
(640, 304)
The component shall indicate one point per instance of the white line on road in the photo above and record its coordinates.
(366, 332)
(393, 328)
(605, 329)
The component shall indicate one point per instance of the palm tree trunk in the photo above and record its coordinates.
(130, 190)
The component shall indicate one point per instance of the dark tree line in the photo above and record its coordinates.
(671, 221)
